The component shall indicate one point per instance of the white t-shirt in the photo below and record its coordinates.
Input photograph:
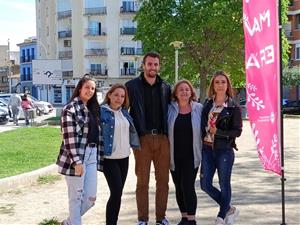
(121, 145)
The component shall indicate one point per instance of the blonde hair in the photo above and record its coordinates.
(193, 93)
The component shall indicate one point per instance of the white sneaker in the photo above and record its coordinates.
(163, 222)
(219, 221)
(142, 223)
(231, 215)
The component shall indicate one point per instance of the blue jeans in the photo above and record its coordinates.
(82, 190)
(222, 161)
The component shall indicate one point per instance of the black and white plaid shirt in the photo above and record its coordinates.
(74, 128)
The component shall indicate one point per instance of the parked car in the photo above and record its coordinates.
(4, 117)
(285, 101)
(244, 108)
(42, 107)
(292, 107)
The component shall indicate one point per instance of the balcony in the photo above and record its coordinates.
(128, 7)
(64, 34)
(98, 72)
(128, 30)
(65, 55)
(96, 52)
(64, 14)
(95, 11)
(95, 32)
(67, 74)
(131, 51)
(128, 71)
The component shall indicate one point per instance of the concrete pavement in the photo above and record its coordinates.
(255, 192)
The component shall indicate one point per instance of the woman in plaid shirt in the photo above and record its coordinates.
(77, 158)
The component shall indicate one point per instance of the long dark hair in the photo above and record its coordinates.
(92, 103)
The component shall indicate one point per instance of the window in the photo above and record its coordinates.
(67, 43)
(4, 80)
(297, 51)
(96, 68)
(298, 21)
(57, 95)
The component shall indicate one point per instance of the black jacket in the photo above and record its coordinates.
(135, 89)
(229, 124)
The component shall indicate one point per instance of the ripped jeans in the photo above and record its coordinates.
(82, 190)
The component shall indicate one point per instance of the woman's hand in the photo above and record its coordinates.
(79, 169)
(213, 130)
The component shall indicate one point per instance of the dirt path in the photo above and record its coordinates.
(257, 193)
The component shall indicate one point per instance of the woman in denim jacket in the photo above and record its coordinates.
(119, 134)
(221, 123)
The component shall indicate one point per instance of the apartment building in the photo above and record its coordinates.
(292, 30)
(27, 54)
(88, 36)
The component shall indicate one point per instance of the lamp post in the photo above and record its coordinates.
(176, 45)
(8, 66)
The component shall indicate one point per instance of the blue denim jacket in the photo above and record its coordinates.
(107, 123)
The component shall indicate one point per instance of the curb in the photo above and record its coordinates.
(25, 179)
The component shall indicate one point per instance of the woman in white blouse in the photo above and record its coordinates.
(119, 135)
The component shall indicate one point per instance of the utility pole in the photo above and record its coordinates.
(8, 65)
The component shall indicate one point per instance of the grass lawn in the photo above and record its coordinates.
(26, 149)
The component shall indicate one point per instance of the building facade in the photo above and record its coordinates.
(292, 31)
(89, 37)
(27, 54)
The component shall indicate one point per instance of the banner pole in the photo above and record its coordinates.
(281, 117)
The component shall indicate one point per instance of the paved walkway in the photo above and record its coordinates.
(257, 193)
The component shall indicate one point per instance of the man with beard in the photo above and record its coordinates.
(149, 97)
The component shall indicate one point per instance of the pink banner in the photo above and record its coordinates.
(260, 19)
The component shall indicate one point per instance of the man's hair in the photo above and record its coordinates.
(151, 54)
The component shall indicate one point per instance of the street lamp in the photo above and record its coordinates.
(8, 66)
(176, 45)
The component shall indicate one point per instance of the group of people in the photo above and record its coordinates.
(166, 127)
(18, 103)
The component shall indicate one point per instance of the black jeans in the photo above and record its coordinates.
(115, 172)
(184, 177)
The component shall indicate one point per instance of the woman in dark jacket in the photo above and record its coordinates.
(221, 123)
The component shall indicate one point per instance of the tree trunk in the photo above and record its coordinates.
(203, 78)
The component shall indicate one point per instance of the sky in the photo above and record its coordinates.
(17, 21)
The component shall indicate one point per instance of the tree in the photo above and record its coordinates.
(291, 76)
(211, 31)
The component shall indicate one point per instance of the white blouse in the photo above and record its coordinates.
(121, 145)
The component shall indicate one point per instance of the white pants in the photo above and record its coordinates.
(82, 190)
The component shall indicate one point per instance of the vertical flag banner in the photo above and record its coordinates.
(260, 21)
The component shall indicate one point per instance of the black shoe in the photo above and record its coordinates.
(183, 221)
(192, 222)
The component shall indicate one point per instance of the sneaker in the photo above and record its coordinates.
(192, 222)
(231, 215)
(142, 223)
(64, 222)
(183, 221)
(163, 222)
(219, 221)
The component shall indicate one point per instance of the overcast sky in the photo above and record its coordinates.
(17, 21)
